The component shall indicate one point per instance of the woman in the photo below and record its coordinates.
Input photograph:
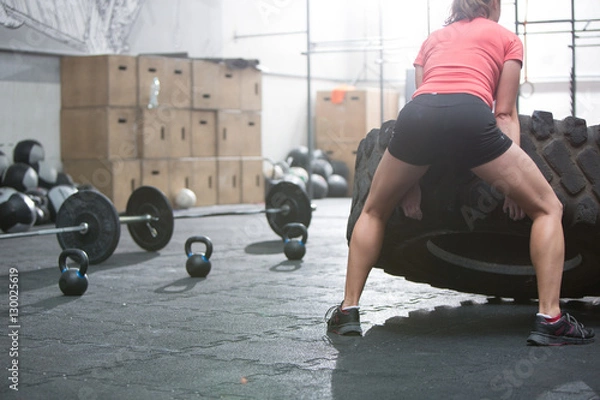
(464, 110)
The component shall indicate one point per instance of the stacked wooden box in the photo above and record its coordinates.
(341, 124)
(199, 128)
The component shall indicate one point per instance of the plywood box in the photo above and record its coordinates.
(164, 133)
(251, 134)
(253, 182)
(180, 133)
(177, 87)
(181, 174)
(117, 179)
(228, 181)
(98, 132)
(174, 76)
(215, 86)
(204, 180)
(354, 116)
(103, 80)
(239, 133)
(229, 133)
(197, 174)
(156, 173)
(205, 87)
(251, 89)
(204, 133)
(153, 133)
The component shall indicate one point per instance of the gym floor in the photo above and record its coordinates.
(254, 328)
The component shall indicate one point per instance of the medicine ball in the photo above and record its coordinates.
(64, 179)
(300, 173)
(28, 152)
(298, 157)
(5, 193)
(20, 176)
(319, 154)
(268, 169)
(296, 180)
(322, 167)
(319, 186)
(186, 198)
(285, 167)
(340, 168)
(47, 174)
(56, 196)
(338, 186)
(278, 171)
(38, 195)
(40, 199)
(272, 170)
(4, 164)
(17, 213)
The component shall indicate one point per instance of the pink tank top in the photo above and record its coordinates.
(467, 57)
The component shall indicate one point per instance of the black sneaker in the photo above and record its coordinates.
(343, 322)
(565, 331)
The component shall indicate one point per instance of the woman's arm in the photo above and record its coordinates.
(411, 202)
(418, 76)
(507, 118)
(505, 110)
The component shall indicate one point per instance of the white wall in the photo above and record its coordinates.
(222, 28)
(30, 103)
(178, 26)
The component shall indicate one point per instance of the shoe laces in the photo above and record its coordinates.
(579, 327)
(329, 313)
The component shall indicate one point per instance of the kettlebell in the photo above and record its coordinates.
(294, 249)
(73, 282)
(198, 264)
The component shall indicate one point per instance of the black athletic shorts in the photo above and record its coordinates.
(457, 128)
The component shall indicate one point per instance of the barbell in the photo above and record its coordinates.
(88, 220)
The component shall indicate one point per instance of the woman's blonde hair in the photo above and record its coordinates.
(469, 9)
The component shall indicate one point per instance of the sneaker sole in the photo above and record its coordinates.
(540, 339)
(348, 329)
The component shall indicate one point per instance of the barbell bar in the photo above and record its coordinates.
(125, 219)
(82, 228)
(88, 220)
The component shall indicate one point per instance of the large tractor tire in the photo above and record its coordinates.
(467, 243)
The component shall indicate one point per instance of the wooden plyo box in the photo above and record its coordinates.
(354, 116)
(116, 179)
(98, 132)
(164, 133)
(103, 80)
(175, 82)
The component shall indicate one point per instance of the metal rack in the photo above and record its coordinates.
(576, 34)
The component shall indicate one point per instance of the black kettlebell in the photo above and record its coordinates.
(294, 249)
(198, 264)
(73, 282)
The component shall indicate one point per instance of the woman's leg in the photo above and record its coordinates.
(517, 176)
(391, 182)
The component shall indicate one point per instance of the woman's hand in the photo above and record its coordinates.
(512, 209)
(411, 203)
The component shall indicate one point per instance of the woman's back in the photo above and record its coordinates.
(467, 57)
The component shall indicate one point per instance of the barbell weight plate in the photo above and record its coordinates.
(152, 235)
(287, 194)
(98, 212)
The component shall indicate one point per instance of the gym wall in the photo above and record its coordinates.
(30, 102)
(29, 83)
